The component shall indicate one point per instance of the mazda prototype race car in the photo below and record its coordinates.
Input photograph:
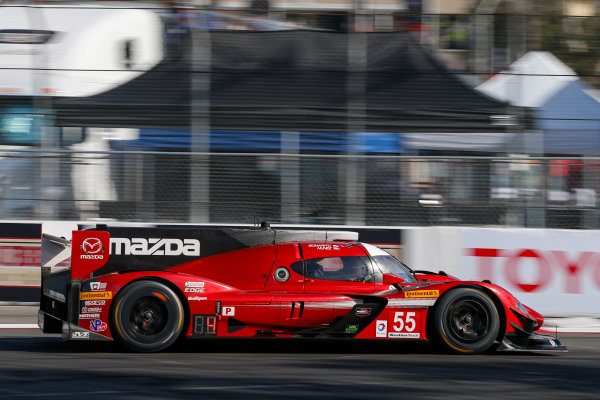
(148, 287)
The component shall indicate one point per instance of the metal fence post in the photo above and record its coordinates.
(290, 178)
(535, 212)
(590, 216)
(357, 91)
(200, 127)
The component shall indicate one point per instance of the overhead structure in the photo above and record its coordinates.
(566, 108)
(302, 81)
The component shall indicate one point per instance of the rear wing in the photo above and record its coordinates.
(55, 253)
(55, 281)
(55, 250)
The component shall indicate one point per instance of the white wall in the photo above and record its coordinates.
(557, 272)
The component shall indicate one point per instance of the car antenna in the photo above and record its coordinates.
(265, 224)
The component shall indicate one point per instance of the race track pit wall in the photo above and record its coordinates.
(554, 271)
(20, 262)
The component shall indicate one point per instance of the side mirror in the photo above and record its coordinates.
(391, 279)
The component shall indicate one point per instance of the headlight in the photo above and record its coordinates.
(522, 308)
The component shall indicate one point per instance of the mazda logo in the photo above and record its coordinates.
(92, 246)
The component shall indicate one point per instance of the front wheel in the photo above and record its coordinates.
(148, 316)
(466, 321)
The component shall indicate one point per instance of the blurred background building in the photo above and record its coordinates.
(354, 112)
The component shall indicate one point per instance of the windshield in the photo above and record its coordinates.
(390, 265)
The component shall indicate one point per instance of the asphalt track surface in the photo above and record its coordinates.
(38, 366)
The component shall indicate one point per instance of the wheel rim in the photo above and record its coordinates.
(468, 320)
(148, 316)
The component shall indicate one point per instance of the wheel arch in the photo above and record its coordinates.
(497, 302)
(167, 283)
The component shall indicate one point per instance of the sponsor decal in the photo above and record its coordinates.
(423, 293)
(381, 328)
(194, 284)
(534, 270)
(557, 271)
(95, 295)
(228, 311)
(95, 302)
(351, 328)
(404, 335)
(91, 256)
(324, 246)
(196, 298)
(194, 290)
(154, 247)
(80, 335)
(89, 252)
(363, 312)
(88, 316)
(91, 309)
(97, 286)
(92, 247)
(98, 326)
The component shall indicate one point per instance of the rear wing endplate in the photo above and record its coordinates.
(55, 250)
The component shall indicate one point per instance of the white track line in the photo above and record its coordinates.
(19, 326)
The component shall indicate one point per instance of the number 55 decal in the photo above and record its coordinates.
(404, 325)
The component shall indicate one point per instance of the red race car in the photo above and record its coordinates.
(148, 287)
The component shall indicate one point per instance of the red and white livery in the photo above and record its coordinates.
(148, 287)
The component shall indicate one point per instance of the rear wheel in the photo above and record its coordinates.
(466, 321)
(148, 316)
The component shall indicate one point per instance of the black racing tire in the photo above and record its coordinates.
(147, 317)
(466, 321)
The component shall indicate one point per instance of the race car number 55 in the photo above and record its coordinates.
(404, 323)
